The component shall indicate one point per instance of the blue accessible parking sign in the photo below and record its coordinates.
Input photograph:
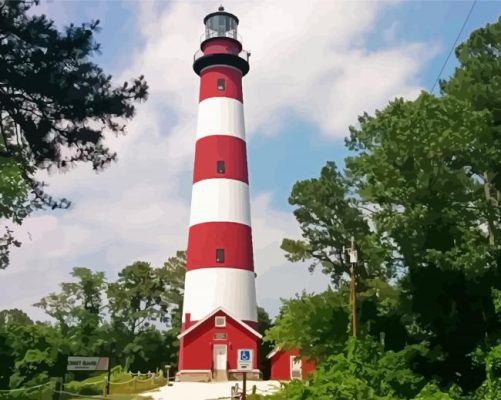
(244, 359)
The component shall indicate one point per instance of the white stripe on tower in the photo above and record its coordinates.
(230, 288)
(220, 200)
(220, 116)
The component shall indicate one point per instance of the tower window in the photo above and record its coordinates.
(220, 167)
(220, 321)
(220, 84)
(220, 255)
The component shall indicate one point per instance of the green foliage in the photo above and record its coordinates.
(433, 392)
(126, 325)
(172, 274)
(38, 353)
(320, 324)
(78, 308)
(14, 317)
(329, 216)
(421, 195)
(478, 80)
(150, 347)
(316, 324)
(136, 298)
(265, 347)
(38, 393)
(55, 105)
(362, 370)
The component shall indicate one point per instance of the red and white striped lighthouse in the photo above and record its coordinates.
(219, 310)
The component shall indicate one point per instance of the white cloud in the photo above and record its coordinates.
(308, 58)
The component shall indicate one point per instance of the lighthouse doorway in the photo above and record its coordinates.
(220, 362)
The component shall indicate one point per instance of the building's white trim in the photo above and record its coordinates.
(247, 370)
(189, 371)
(272, 353)
(220, 200)
(220, 116)
(233, 289)
(201, 321)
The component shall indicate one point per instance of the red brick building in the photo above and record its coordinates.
(286, 365)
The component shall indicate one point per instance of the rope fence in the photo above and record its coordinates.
(91, 390)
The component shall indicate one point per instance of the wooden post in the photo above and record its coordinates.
(244, 389)
(109, 377)
(64, 375)
(353, 260)
(105, 388)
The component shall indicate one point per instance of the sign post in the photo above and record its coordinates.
(244, 364)
(89, 364)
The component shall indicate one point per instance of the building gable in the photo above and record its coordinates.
(209, 319)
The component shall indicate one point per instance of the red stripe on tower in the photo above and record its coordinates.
(220, 156)
(206, 239)
(212, 85)
(220, 279)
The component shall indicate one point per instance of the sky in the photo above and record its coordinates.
(315, 66)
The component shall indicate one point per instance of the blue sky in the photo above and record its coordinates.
(315, 67)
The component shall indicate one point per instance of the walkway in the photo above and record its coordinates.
(208, 391)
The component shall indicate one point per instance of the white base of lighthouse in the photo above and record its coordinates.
(208, 288)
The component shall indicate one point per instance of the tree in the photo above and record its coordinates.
(55, 107)
(151, 349)
(478, 81)
(137, 298)
(317, 325)
(265, 347)
(424, 175)
(144, 298)
(78, 309)
(14, 317)
(38, 351)
(329, 216)
(415, 161)
(173, 274)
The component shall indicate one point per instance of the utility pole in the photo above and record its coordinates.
(353, 261)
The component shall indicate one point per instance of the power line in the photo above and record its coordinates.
(454, 45)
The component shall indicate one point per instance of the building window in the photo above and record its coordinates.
(220, 255)
(220, 84)
(220, 336)
(220, 322)
(220, 167)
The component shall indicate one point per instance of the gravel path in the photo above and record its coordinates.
(208, 391)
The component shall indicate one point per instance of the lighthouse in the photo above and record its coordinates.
(219, 323)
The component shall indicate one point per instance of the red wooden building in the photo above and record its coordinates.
(286, 365)
(211, 345)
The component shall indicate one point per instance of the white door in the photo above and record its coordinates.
(296, 368)
(220, 357)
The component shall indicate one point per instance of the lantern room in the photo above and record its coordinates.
(221, 24)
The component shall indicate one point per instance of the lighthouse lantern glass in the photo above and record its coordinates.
(221, 25)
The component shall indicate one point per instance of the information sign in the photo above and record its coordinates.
(88, 363)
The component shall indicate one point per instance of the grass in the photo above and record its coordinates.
(122, 386)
